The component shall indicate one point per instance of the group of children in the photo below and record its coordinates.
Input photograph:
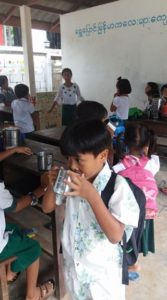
(92, 233)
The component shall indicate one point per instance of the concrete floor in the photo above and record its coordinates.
(153, 282)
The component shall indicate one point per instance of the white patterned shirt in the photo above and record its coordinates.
(93, 265)
(68, 95)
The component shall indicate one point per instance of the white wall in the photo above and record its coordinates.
(131, 43)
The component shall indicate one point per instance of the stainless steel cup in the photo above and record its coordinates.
(44, 160)
(49, 161)
(41, 160)
(60, 186)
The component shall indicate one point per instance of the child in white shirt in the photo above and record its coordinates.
(23, 109)
(91, 233)
(120, 104)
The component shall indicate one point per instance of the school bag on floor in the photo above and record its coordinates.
(144, 179)
(131, 248)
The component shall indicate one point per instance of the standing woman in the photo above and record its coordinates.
(68, 95)
(7, 94)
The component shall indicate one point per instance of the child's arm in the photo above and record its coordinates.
(47, 182)
(112, 228)
(52, 107)
(46, 189)
(113, 108)
(24, 150)
(114, 104)
(80, 98)
(56, 100)
(26, 200)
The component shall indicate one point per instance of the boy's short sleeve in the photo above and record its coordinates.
(6, 199)
(123, 204)
(31, 108)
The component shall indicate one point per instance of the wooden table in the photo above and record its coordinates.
(49, 136)
(6, 114)
(22, 175)
(159, 126)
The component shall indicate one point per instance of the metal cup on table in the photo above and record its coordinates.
(44, 160)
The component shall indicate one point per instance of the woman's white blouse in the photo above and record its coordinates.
(68, 95)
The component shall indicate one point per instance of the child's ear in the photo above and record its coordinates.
(104, 155)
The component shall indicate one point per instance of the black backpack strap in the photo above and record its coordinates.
(109, 189)
(106, 195)
(125, 278)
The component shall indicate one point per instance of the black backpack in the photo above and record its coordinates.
(131, 248)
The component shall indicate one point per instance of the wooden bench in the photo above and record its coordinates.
(4, 295)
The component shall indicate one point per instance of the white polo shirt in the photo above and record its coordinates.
(6, 201)
(22, 111)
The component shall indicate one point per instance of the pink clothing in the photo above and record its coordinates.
(144, 179)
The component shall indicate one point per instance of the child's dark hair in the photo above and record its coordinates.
(163, 87)
(66, 70)
(138, 136)
(89, 136)
(91, 110)
(21, 90)
(3, 79)
(123, 86)
(154, 90)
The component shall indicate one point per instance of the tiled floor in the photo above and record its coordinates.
(153, 282)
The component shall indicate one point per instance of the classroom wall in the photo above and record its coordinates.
(127, 38)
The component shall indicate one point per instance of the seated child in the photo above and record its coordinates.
(14, 243)
(140, 165)
(23, 109)
(92, 232)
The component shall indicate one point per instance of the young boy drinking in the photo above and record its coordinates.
(91, 233)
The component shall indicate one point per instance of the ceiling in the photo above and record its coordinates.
(44, 13)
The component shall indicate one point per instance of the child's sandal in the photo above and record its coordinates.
(46, 289)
